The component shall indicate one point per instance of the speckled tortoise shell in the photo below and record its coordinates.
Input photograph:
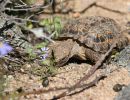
(96, 32)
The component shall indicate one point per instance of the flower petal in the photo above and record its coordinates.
(5, 49)
(44, 49)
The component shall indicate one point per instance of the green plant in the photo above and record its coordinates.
(53, 26)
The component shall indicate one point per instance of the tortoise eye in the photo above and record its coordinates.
(102, 39)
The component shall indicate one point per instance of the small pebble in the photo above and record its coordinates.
(45, 82)
(76, 15)
(118, 87)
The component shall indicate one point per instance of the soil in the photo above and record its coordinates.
(118, 10)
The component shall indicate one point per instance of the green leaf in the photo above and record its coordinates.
(44, 22)
(40, 45)
(57, 20)
(46, 62)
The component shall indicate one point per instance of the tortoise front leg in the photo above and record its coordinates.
(92, 55)
(61, 51)
(84, 53)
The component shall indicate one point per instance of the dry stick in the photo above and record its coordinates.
(94, 82)
(86, 86)
(30, 8)
(92, 70)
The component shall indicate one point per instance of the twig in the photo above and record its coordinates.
(84, 86)
(30, 8)
(22, 2)
(21, 19)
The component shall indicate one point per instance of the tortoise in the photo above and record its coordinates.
(87, 38)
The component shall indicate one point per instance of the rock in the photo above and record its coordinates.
(124, 94)
(123, 59)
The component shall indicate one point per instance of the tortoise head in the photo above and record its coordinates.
(61, 51)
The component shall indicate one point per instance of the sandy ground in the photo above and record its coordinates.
(70, 74)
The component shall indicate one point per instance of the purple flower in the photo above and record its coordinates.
(4, 49)
(45, 49)
(44, 56)
(45, 53)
